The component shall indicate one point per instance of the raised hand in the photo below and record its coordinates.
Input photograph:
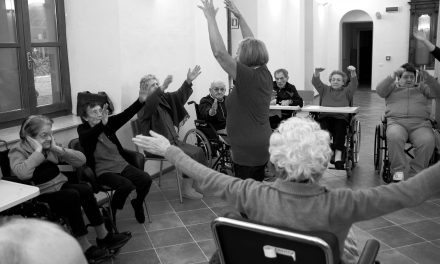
(318, 70)
(397, 73)
(143, 93)
(215, 104)
(192, 74)
(208, 8)
(104, 119)
(233, 8)
(156, 144)
(36, 146)
(420, 35)
(166, 82)
(351, 68)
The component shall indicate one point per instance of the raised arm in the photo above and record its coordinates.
(218, 48)
(246, 31)
(430, 86)
(353, 85)
(386, 86)
(316, 80)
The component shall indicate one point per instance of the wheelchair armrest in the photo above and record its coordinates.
(369, 253)
(135, 158)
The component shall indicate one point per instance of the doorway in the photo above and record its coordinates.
(357, 49)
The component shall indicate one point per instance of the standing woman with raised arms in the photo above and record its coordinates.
(248, 103)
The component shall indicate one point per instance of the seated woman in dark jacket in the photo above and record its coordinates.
(106, 156)
(35, 159)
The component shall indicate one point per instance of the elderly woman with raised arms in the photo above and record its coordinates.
(300, 151)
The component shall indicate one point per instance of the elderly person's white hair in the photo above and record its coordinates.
(147, 78)
(301, 148)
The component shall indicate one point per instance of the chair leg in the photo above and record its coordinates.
(112, 217)
(148, 213)
(179, 185)
(160, 171)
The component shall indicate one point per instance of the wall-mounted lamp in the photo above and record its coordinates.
(378, 15)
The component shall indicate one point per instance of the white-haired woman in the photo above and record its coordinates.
(300, 152)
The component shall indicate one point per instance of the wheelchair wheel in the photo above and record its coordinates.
(356, 140)
(378, 148)
(197, 138)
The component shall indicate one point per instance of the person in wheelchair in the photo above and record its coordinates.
(300, 151)
(337, 94)
(284, 93)
(165, 111)
(106, 156)
(212, 107)
(407, 113)
(35, 158)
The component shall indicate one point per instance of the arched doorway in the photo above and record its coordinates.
(357, 44)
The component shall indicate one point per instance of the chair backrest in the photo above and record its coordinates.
(196, 107)
(307, 96)
(242, 241)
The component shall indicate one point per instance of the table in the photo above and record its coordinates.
(12, 193)
(285, 107)
(328, 109)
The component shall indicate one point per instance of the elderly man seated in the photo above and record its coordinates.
(300, 151)
(284, 93)
(212, 107)
(407, 112)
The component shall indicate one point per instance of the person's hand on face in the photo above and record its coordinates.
(35, 144)
(105, 114)
(397, 73)
(53, 145)
(156, 144)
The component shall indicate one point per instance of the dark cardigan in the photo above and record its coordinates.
(173, 102)
(88, 136)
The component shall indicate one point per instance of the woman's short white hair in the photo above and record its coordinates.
(301, 148)
(147, 78)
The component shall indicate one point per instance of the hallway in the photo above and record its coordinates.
(180, 233)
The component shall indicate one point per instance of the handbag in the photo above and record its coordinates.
(87, 97)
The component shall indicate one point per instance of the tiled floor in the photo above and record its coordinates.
(180, 233)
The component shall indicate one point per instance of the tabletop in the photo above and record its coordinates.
(12, 193)
(328, 109)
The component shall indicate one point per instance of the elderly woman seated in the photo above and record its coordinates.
(300, 151)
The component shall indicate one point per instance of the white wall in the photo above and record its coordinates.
(113, 43)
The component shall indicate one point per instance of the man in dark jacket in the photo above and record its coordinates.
(106, 156)
(212, 107)
(284, 93)
(163, 112)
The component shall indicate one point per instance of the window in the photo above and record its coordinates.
(34, 74)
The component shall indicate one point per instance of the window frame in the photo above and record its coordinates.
(26, 80)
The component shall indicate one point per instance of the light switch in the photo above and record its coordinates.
(388, 58)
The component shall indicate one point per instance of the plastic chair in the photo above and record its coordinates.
(243, 241)
(135, 126)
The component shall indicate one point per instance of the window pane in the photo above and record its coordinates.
(9, 80)
(43, 23)
(8, 31)
(46, 75)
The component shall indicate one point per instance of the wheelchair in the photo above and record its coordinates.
(217, 150)
(381, 160)
(350, 154)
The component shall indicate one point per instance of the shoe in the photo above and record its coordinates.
(339, 165)
(188, 191)
(398, 176)
(138, 211)
(113, 241)
(95, 254)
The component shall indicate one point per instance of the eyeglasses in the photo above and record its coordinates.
(219, 89)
